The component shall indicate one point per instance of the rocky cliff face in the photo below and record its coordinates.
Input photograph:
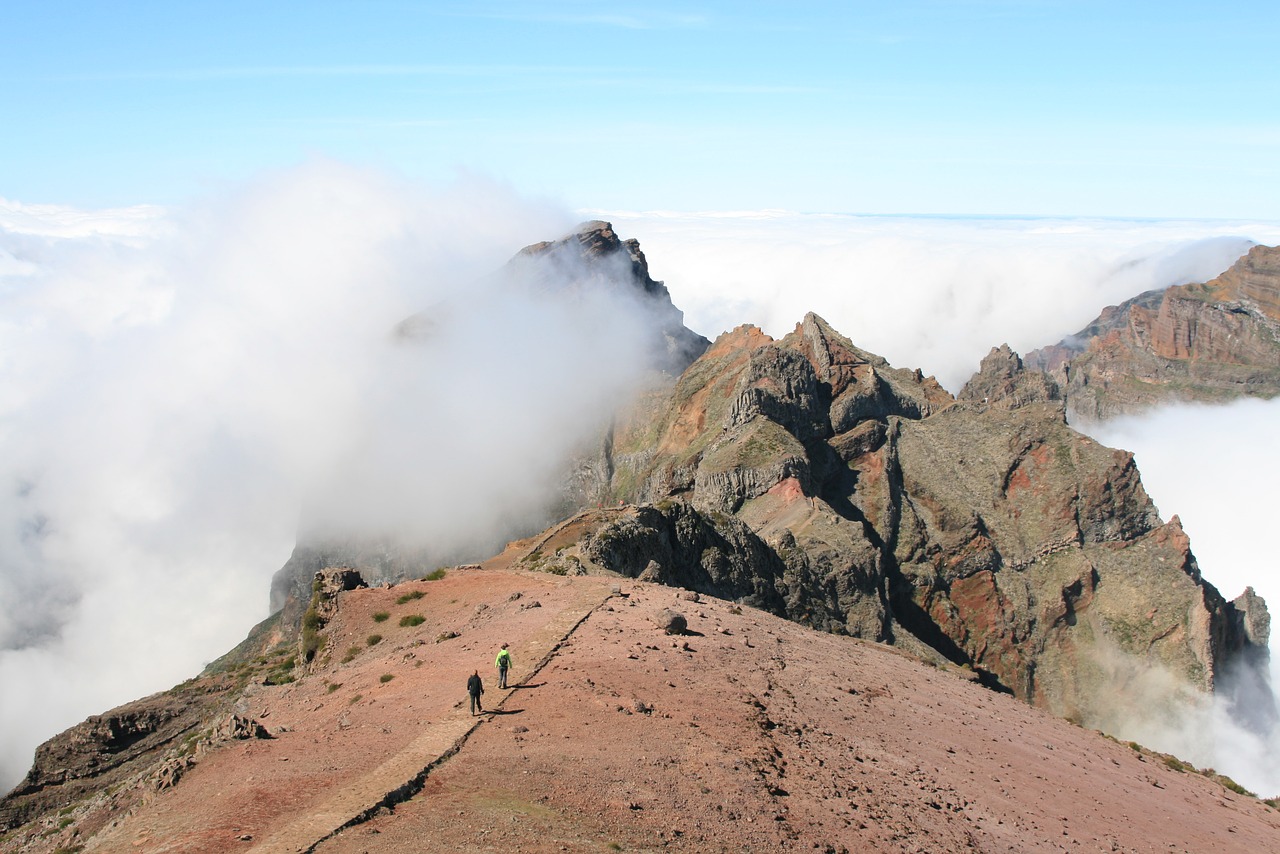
(1200, 342)
(814, 480)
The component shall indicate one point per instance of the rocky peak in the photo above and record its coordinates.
(1196, 342)
(1254, 279)
(862, 385)
(988, 533)
(593, 257)
(1003, 381)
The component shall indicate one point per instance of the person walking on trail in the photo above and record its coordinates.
(503, 663)
(475, 688)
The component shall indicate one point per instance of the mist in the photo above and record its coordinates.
(179, 385)
(930, 292)
(1216, 467)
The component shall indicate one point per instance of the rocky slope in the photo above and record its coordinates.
(746, 733)
(813, 480)
(1199, 342)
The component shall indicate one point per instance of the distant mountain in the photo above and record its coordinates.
(1205, 342)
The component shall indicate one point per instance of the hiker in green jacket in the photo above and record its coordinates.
(503, 663)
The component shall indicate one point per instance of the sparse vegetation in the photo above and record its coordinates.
(357, 698)
(381, 617)
(373, 640)
(386, 677)
(435, 574)
(352, 652)
(409, 597)
(444, 636)
(334, 686)
(1233, 786)
(412, 620)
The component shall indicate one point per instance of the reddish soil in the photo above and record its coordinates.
(748, 734)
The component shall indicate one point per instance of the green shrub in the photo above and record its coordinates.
(412, 620)
(311, 619)
(386, 677)
(357, 698)
(334, 686)
(373, 640)
(381, 617)
(1234, 786)
(409, 597)
(434, 575)
(352, 652)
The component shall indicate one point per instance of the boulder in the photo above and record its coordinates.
(671, 622)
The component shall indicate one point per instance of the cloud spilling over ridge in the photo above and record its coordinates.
(1216, 467)
(935, 293)
(174, 394)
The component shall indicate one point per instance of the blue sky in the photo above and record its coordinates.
(971, 107)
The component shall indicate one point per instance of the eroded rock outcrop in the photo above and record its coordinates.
(812, 479)
(1198, 342)
(108, 749)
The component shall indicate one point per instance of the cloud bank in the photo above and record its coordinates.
(930, 292)
(177, 385)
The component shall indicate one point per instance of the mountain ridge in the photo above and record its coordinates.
(804, 477)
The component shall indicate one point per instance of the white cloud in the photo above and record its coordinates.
(173, 394)
(930, 292)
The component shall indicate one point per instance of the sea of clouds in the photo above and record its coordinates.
(175, 385)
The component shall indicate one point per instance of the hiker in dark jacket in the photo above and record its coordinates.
(475, 688)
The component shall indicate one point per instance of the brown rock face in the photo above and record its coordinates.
(811, 479)
(1198, 342)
